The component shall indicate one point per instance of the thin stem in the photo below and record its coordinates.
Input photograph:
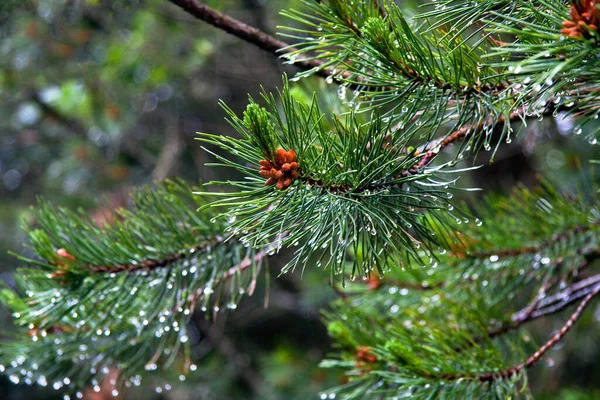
(538, 247)
(460, 134)
(238, 268)
(542, 306)
(549, 305)
(147, 265)
(248, 33)
(535, 357)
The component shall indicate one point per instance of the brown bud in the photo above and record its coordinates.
(63, 253)
(266, 164)
(373, 282)
(58, 274)
(291, 155)
(364, 354)
(283, 169)
(280, 156)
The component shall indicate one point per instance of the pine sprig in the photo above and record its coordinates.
(450, 331)
(420, 77)
(352, 198)
(424, 351)
(121, 295)
(548, 68)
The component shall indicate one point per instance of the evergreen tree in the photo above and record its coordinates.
(434, 296)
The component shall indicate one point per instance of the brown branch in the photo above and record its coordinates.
(557, 301)
(536, 248)
(543, 306)
(463, 132)
(242, 266)
(275, 46)
(535, 357)
(248, 33)
(245, 263)
(549, 305)
(148, 265)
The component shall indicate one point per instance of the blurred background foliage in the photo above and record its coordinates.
(98, 96)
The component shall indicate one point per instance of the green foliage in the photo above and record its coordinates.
(433, 302)
(121, 295)
(432, 335)
(420, 76)
(353, 196)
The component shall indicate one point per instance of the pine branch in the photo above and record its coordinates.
(231, 272)
(558, 301)
(559, 237)
(336, 167)
(150, 264)
(448, 338)
(139, 279)
(543, 305)
(248, 33)
(535, 357)
(458, 135)
(275, 46)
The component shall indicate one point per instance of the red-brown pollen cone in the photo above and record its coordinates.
(282, 171)
(585, 18)
(64, 255)
(364, 354)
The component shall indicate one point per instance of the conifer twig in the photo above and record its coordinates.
(246, 32)
(535, 357)
(557, 337)
(536, 248)
(549, 305)
(238, 268)
(461, 133)
(149, 264)
(275, 46)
